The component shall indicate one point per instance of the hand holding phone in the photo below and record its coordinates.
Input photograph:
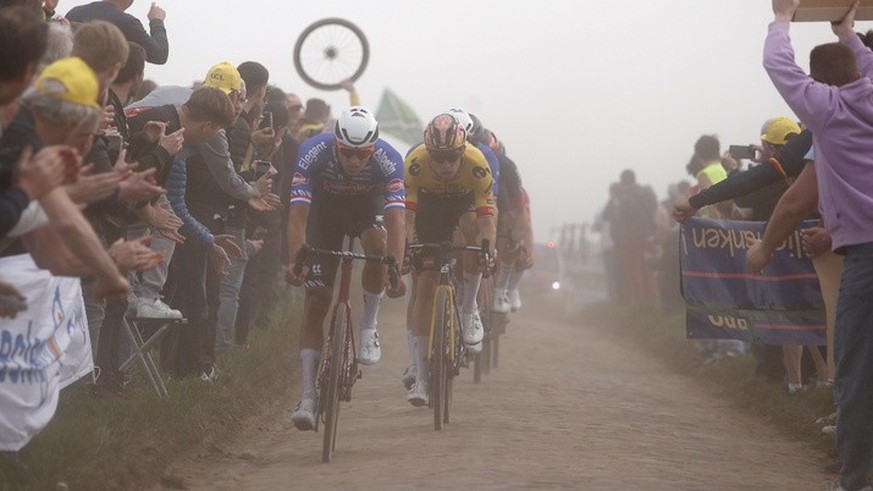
(743, 152)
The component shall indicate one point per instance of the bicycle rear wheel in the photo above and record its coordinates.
(339, 331)
(439, 368)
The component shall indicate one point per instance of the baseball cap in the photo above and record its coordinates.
(223, 76)
(776, 131)
(76, 76)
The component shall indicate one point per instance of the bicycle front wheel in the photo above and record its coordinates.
(439, 368)
(339, 332)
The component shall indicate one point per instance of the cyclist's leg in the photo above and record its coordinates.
(521, 229)
(422, 312)
(506, 258)
(364, 222)
(324, 230)
(373, 282)
(472, 328)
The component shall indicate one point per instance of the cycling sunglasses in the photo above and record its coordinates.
(361, 153)
(440, 156)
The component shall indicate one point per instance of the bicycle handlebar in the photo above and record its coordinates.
(484, 251)
(307, 251)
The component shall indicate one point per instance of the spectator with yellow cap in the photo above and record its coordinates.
(58, 109)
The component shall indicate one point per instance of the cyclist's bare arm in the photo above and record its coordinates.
(395, 219)
(487, 230)
(297, 217)
(410, 227)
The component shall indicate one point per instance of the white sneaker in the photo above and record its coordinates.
(156, 309)
(418, 395)
(501, 302)
(514, 299)
(408, 377)
(474, 349)
(370, 351)
(303, 416)
(471, 328)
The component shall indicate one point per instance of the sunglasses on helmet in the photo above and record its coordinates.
(440, 156)
(361, 153)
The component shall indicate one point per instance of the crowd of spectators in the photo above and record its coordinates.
(163, 200)
(814, 166)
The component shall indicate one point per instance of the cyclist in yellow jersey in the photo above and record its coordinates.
(445, 179)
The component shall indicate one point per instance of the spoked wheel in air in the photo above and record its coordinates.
(330, 51)
(331, 397)
(439, 368)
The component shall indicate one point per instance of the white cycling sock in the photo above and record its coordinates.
(504, 276)
(469, 292)
(309, 360)
(371, 310)
(410, 341)
(421, 368)
(514, 279)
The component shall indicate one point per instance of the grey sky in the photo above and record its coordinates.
(577, 90)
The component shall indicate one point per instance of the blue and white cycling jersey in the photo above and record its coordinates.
(319, 173)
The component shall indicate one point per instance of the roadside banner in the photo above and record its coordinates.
(44, 349)
(398, 119)
(724, 300)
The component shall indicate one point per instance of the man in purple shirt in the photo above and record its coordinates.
(836, 103)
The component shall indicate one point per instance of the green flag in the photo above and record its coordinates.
(398, 119)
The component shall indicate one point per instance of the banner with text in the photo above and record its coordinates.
(44, 349)
(724, 300)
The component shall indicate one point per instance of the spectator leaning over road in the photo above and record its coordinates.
(244, 143)
(112, 11)
(835, 103)
(60, 109)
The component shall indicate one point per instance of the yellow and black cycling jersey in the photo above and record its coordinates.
(472, 182)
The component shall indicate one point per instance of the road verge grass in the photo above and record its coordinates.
(732, 379)
(128, 443)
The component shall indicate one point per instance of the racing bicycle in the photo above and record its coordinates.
(338, 368)
(445, 350)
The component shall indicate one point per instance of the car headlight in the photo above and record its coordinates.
(556, 285)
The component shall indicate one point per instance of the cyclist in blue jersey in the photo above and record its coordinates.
(342, 184)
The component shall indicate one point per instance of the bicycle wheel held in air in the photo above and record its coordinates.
(330, 51)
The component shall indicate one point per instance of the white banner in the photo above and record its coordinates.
(44, 349)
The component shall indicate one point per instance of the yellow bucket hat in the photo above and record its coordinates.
(78, 79)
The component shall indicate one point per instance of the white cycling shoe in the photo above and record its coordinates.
(418, 395)
(370, 351)
(514, 300)
(471, 328)
(501, 303)
(303, 416)
(408, 377)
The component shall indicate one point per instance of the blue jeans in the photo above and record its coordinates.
(229, 292)
(853, 350)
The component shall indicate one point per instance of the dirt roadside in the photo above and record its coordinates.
(567, 409)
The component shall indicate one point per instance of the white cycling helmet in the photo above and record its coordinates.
(464, 119)
(356, 127)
